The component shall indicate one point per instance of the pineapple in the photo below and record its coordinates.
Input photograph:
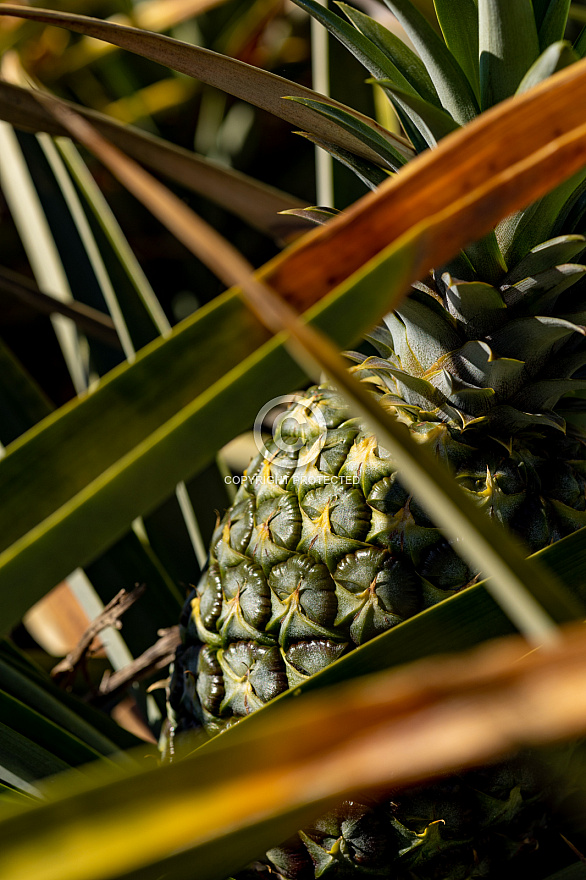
(323, 548)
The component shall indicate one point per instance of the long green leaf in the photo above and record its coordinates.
(137, 307)
(29, 723)
(38, 240)
(81, 260)
(436, 122)
(508, 46)
(251, 84)
(23, 761)
(406, 61)
(371, 175)
(125, 563)
(386, 152)
(450, 81)
(554, 58)
(137, 313)
(21, 680)
(459, 26)
(554, 23)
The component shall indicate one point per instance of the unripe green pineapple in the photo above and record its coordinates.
(323, 548)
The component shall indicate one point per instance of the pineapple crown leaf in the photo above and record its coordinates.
(486, 258)
(557, 56)
(374, 59)
(508, 46)
(467, 363)
(434, 93)
(363, 48)
(476, 304)
(549, 253)
(370, 175)
(542, 220)
(564, 222)
(580, 44)
(451, 83)
(405, 60)
(545, 394)
(459, 25)
(540, 8)
(552, 23)
(388, 153)
(433, 122)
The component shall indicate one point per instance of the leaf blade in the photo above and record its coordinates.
(235, 77)
(508, 45)
(450, 81)
(460, 30)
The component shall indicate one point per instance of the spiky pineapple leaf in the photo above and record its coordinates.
(553, 26)
(580, 44)
(549, 253)
(508, 45)
(554, 58)
(521, 232)
(20, 679)
(377, 62)
(254, 202)
(450, 81)
(406, 61)
(371, 175)
(316, 214)
(434, 122)
(27, 722)
(487, 258)
(459, 26)
(378, 144)
(258, 87)
(540, 8)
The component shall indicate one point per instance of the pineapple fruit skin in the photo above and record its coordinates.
(308, 564)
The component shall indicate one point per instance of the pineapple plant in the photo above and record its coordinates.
(323, 548)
